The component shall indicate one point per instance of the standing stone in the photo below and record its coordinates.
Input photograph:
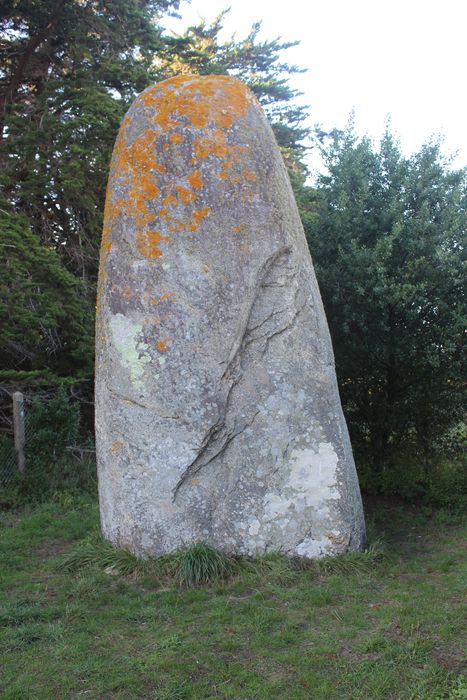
(217, 411)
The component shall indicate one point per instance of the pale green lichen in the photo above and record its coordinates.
(133, 352)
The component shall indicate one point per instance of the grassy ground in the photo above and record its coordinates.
(365, 628)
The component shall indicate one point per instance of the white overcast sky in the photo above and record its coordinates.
(400, 58)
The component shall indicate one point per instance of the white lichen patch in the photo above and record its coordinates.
(313, 474)
(310, 484)
(134, 353)
(312, 481)
(312, 549)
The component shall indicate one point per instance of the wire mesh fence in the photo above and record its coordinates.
(41, 434)
(8, 460)
(12, 459)
(13, 440)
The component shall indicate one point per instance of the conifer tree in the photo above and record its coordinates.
(70, 69)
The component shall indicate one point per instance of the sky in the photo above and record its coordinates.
(400, 59)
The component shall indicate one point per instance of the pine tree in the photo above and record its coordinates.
(44, 313)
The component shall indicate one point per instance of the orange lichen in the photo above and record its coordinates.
(148, 244)
(214, 144)
(116, 446)
(175, 138)
(169, 199)
(161, 345)
(201, 214)
(197, 100)
(127, 292)
(186, 195)
(212, 103)
(224, 119)
(250, 175)
(175, 226)
(195, 179)
(135, 165)
(198, 216)
(154, 301)
(237, 229)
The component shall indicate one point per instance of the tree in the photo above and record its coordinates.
(44, 313)
(388, 243)
(70, 69)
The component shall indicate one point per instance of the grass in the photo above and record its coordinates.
(80, 619)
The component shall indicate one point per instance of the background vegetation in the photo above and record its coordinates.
(387, 232)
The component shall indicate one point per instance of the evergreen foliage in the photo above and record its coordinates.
(52, 427)
(388, 244)
(44, 313)
(70, 69)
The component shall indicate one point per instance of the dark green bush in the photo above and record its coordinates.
(442, 483)
(51, 426)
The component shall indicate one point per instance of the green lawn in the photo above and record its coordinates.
(389, 629)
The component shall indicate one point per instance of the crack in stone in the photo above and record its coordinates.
(220, 434)
(289, 325)
(268, 318)
(212, 436)
(140, 404)
(241, 338)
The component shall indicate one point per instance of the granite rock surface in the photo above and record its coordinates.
(218, 417)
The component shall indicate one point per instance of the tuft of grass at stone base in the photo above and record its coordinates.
(94, 551)
(202, 564)
(351, 563)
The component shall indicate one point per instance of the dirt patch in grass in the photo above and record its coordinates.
(394, 631)
(51, 548)
(449, 658)
(346, 651)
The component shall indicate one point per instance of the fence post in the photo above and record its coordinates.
(18, 427)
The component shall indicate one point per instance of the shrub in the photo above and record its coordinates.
(51, 426)
(441, 483)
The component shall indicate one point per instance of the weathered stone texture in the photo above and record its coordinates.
(217, 411)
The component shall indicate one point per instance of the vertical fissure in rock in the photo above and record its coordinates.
(221, 434)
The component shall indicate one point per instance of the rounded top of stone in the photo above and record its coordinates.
(183, 142)
(199, 100)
